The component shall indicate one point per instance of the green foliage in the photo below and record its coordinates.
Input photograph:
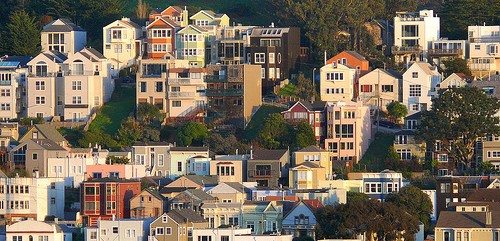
(304, 135)
(73, 135)
(305, 88)
(255, 125)
(357, 197)
(289, 90)
(91, 138)
(275, 132)
(192, 133)
(112, 114)
(486, 168)
(456, 65)
(415, 202)
(374, 158)
(459, 116)
(24, 34)
(27, 121)
(21, 172)
(117, 160)
(396, 111)
(149, 114)
(129, 132)
(220, 144)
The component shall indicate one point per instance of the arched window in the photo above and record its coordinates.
(41, 69)
(77, 67)
(30, 238)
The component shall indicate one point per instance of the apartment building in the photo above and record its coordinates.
(488, 151)
(484, 55)
(161, 37)
(277, 52)
(229, 168)
(348, 132)
(9, 132)
(179, 157)
(454, 189)
(312, 113)
(221, 214)
(379, 185)
(192, 43)
(13, 71)
(175, 13)
(378, 88)
(31, 198)
(118, 230)
(190, 199)
(122, 42)
(230, 45)
(337, 82)
(37, 230)
(413, 35)
(234, 93)
(268, 168)
(419, 86)
(107, 198)
(63, 36)
(186, 98)
(405, 142)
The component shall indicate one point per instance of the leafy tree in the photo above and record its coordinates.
(150, 133)
(117, 160)
(459, 116)
(304, 135)
(71, 134)
(305, 88)
(413, 201)
(456, 65)
(24, 34)
(393, 6)
(27, 121)
(129, 132)
(486, 168)
(225, 144)
(396, 110)
(357, 197)
(192, 133)
(91, 138)
(149, 114)
(275, 132)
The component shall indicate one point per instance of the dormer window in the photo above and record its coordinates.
(41, 69)
(77, 67)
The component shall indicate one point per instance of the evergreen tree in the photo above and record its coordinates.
(24, 34)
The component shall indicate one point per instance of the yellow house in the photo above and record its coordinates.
(312, 167)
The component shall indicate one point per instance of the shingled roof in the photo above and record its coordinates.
(185, 215)
(451, 219)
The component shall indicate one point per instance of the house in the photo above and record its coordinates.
(432, 196)
(353, 60)
(337, 82)
(33, 155)
(236, 234)
(261, 216)
(234, 93)
(298, 219)
(13, 71)
(177, 224)
(148, 203)
(153, 155)
(229, 168)
(378, 88)
(220, 214)
(127, 171)
(191, 44)
(413, 35)
(195, 182)
(191, 199)
(175, 13)
(122, 42)
(379, 185)
(455, 80)
(277, 52)
(269, 168)
(419, 86)
(63, 36)
(312, 168)
(444, 49)
(119, 230)
(186, 97)
(207, 18)
(230, 45)
(37, 230)
(199, 165)
(31, 198)
(469, 221)
(484, 42)
(9, 133)
(161, 37)
(44, 131)
(107, 198)
(230, 192)
(325, 196)
(179, 157)
(348, 132)
(312, 113)
(488, 150)
(406, 143)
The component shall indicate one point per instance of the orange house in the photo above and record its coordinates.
(161, 37)
(174, 13)
(353, 60)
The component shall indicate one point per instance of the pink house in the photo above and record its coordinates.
(117, 171)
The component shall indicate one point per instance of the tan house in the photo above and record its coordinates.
(405, 143)
(13, 72)
(148, 203)
(229, 168)
(8, 132)
(176, 225)
(33, 156)
(229, 192)
(195, 182)
(378, 88)
(44, 131)
(63, 36)
(191, 199)
(122, 42)
(220, 213)
(337, 82)
(312, 167)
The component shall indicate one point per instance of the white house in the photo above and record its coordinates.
(379, 185)
(31, 230)
(199, 165)
(13, 72)
(378, 88)
(337, 82)
(453, 80)
(63, 36)
(35, 198)
(122, 42)
(419, 86)
(235, 234)
(119, 230)
(299, 220)
(484, 45)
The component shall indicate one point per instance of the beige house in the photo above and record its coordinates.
(44, 131)
(349, 131)
(186, 93)
(229, 192)
(122, 42)
(176, 225)
(405, 143)
(8, 132)
(194, 181)
(312, 168)
(229, 168)
(490, 151)
(221, 213)
(153, 155)
(13, 72)
(148, 203)
(33, 155)
(337, 82)
(378, 88)
(63, 36)
(484, 45)
(453, 80)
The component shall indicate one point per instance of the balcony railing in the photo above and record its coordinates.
(80, 73)
(261, 173)
(405, 49)
(445, 52)
(486, 39)
(173, 94)
(215, 78)
(45, 74)
(224, 92)
(476, 66)
(5, 82)
(184, 81)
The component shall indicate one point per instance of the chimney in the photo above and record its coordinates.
(236, 151)
(488, 218)
(114, 217)
(56, 220)
(36, 174)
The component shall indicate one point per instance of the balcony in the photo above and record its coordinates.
(5, 82)
(224, 92)
(45, 74)
(215, 78)
(445, 52)
(80, 73)
(262, 173)
(185, 81)
(405, 49)
(172, 94)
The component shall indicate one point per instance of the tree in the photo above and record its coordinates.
(117, 160)
(149, 114)
(225, 144)
(304, 135)
(396, 110)
(142, 10)
(24, 34)
(459, 116)
(456, 65)
(192, 133)
(305, 89)
(130, 131)
(413, 201)
(357, 197)
(275, 132)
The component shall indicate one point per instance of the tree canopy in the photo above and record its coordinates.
(277, 133)
(192, 133)
(413, 201)
(456, 65)
(459, 116)
(24, 34)
(396, 110)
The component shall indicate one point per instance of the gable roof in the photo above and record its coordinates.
(66, 26)
(165, 20)
(203, 180)
(176, 8)
(356, 55)
(451, 219)
(485, 194)
(426, 67)
(196, 28)
(185, 215)
(415, 116)
(154, 193)
(295, 205)
(48, 144)
(94, 52)
(208, 13)
(262, 154)
(308, 164)
(48, 131)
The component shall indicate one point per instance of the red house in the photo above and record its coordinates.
(312, 113)
(105, 198)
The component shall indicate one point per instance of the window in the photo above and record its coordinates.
(387, 88)
(40, 100)
(162, 33)
(160, 160)
(224, 238)
(401, 139)
(205, 238)
(414, 75)
(344, 130)
(366, 88)
(77, 100)
(5, 106)
(271, 73)
(334, 76)
(104, 232)
(118, 48)
(415, 90)
(251, 225)
(466, 236)
(271, 58)
(160, 231)
(260, 58)
(93, 235)
(263, 73)
(143, 86)
(115, 229)
(168, 230)
(77, 85)
(179, 166)
(159, 86)
(40, 85)
(5, 92)
(404, 154)
(56, 42)
(17, 238)
(116, 34)
(409, 30)
(477, 47)
(176, 103)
